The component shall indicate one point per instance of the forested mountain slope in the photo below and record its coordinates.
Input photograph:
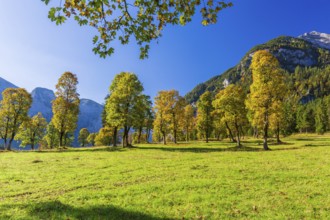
(309, 51)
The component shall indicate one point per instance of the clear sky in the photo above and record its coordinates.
(34, 52)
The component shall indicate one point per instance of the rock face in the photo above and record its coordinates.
(42, 102)
(318, 39)
(308, 50)
(90, 115)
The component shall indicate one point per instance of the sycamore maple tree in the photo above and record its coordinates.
(169, 108)
(142, 20)
(32, 131)
(266, 91)
(52, 136)
(204, 115)
(14, 108)
(188, 121)
(123, 106)
(66, 106)
(229, 103)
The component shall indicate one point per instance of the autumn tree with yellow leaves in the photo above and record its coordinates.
(229, 104)
(66, 106)
(32, 131)
(188, 122)
(14, 108)
(266, 91)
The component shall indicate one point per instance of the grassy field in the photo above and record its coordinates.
(184, 181)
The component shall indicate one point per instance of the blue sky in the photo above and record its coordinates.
(35, 52)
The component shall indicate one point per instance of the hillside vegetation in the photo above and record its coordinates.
(182, 181)
(291, 52)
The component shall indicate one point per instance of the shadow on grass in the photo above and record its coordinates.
(304, 139)
(58, 210)
(213, 149)
(70, 150)
(317, 145)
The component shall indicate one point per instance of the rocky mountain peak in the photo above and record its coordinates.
(317, 38)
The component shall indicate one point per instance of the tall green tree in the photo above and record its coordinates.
(142, 20)
(321, 116)
(230, 104)
(305, 117)
(266, 89)
(32, 131)
(52, 136)
(122, 104)
(14, 108)
(83, 135)
(66, 106)
(204, 115)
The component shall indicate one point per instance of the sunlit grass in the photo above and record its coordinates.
(151, 181)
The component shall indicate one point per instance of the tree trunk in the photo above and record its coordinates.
(9, 144)
(230, 133)
(6, 144)
(266, 134)
(207, 136)
(164, 138)
(175, 134)
(61, 138)
(125, 138)
(11, 140)
(238, 135)
(139, 136)
(114, 137)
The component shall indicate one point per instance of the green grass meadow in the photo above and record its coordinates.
(183, 181)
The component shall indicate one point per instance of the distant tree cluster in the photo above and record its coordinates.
(270, 107)
(15, 124)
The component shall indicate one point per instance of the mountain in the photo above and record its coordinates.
(308, 50)
(90, 111)
(317, 38)
(4, 84)
(90, 115)
(42, 102)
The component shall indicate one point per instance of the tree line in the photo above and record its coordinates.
(15, 123)
(270, 107)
